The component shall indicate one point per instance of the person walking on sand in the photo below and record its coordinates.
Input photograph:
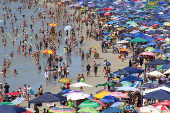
(88, 69)
(55, 75)
(46, 76)
(95, 69)
(87, 56)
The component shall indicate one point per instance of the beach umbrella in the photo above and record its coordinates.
(155, 73)
(152, 43)
(127, 88)
(101, 94)
(102, 104)
(164, 103)
(109, 99)
(11, 109)
(29, 110)
(67, 28)
(123, 49)
(118, 95)
(52, 24)
(150, 85)
(165, 95)
(88, 109)
(91, 97)
(149, 49)
(7, 103)
(116, 104)
(65, 80)
(89, 103)
(122, 42)
(158, 88)
(12, 93)
(158, 51)
(138, 39)
(162, 108)
(107, 8)
(96, 47)
(77, 96)
(47, 52)
(80, 84)
(18, 100)
(149, 109)
(62, 109)
(112, 110)
(166, 66)
(148, 53)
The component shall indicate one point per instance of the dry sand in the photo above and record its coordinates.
(92, 80)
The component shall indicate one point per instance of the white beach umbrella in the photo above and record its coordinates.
(67, 28)
(77, 96)
(155, 89)
(167, 72)
(155, 73)
(80, 84)
(122, 42)
(127, 88)
(149, 109)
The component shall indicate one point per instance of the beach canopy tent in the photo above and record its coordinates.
(48, 97)
(158, 88)
(165, 95)
(166, 66)
(138, 39)
(11, 109)
(130, 78)
(128, 70)
(112, 110)
(157, 62)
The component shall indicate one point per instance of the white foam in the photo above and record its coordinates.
(1, 20)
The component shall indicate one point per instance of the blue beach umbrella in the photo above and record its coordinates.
(109, 99)
(152, 43)
(158, 51)
(11, 109)
(116, 104)
(130, 78)
(91, 97)
(112, 110)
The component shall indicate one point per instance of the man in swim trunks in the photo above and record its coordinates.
(55, 75)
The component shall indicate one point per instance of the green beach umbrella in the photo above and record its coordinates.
(105, 84)
(6, 103)
(138, 39)
(89, 103)
(88, 109)
(150, 49)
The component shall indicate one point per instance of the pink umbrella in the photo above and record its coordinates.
(107, 14)
(118, 95)
(148, 53)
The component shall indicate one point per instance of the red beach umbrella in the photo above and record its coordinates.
(165, 103)
(107, 8)
(12, 93)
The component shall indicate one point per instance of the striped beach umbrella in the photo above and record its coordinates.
(89, 103)
(88, 109)
(62, 109)
(7, 103)
(18, 100)
(118, 94)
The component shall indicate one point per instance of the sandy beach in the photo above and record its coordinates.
(92, 80)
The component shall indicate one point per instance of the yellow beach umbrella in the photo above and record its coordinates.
(65, 80)
(96, 47)
(81, 9)
(47, 52)
(53, 24)
(101, 94)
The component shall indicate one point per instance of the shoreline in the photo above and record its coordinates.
(92, 80)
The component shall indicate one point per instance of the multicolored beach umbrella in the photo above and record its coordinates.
(62, 109)
(65, 80)
(47, 52)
